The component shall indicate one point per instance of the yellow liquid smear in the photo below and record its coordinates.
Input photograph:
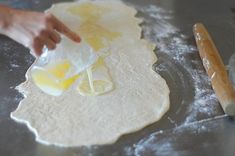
(90, 86)
(90, 29)
(53, 78)
(100, 88)
(59, 70)
(89, 11)
(97, 36)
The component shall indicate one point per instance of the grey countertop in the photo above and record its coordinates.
(186, 129)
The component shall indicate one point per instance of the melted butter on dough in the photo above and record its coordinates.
(89, 11)
(96, 80)
(140, 97)
(97, 36)
(53, 79)
(90, 29)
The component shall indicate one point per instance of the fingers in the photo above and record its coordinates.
(54, 36)
(60, 27)
(50, 44)
(47, 34)
(37, 46)
(39, 43)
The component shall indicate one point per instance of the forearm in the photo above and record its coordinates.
(6, 15)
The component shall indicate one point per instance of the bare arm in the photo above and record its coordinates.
(33, 29)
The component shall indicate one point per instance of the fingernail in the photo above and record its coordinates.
(78, 39)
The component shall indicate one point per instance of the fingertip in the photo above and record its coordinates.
(59, 39)
(67, 32)
(75, 37)
(78, 39)
(51, 46)
(37, 51)
(37, 46)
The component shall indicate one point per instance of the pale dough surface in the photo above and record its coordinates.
(140, 97)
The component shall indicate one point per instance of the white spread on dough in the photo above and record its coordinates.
(141, 96)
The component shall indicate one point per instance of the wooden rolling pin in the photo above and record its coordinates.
(215, 69)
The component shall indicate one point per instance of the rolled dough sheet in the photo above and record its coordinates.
(140, 97)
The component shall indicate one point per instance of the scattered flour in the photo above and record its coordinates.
(15, 65)
(172, 42)
(166, 142)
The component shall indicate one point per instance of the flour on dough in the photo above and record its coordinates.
(140, 98)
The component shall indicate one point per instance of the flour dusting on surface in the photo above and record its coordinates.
(172, 43)
(165, 143)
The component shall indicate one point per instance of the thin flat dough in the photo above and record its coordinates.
(140, 97)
